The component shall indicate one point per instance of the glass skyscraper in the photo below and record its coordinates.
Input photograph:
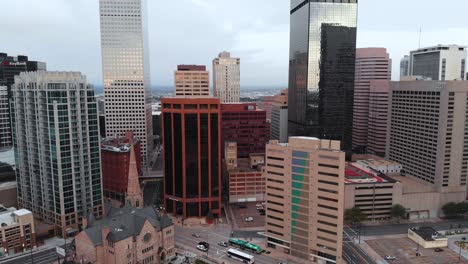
(56, 142)
(321, 69)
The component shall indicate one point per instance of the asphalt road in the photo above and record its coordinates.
(42, 257)
(213, 236)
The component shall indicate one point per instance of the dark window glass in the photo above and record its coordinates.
(191, 155)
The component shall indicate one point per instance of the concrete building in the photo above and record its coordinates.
(230, 155)
(121, 168)
(427, 237)
(246, 125)
(322, 58)
(126, 235)
(126, 71)
(305, 198)
(192, 156)
(404, 66)
(439, 63)
(378, 117)
(191, 81)
(56, 142)
(279, 117)
(17, 230)
(371, 64)
(426, 130)
(8, 194)
(266, 104)
(226, 78)
(5, 126)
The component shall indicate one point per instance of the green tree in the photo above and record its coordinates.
(462, 207)
(451, 210)
(354, 215)
(398, 211)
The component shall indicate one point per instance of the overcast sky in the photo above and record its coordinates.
(65, 33)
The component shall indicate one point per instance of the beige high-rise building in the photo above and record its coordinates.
(125, 69)
(428, 133)
(191, 81)
(305, 198)
(226, 78)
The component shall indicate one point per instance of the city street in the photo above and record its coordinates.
(214, 235)
(42, 257)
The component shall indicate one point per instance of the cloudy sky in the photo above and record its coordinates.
(65, 33)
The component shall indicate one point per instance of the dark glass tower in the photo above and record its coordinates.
(321, 69)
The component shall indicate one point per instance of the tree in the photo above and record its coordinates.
(462, 207)
(450, 210)
(354, 215)
(398, 211)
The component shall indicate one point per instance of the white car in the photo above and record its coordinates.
(202, 248)
(249, 219)
(390, 257)
(259, 205)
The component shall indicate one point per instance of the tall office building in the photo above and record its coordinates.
(439, 63)
(191, 80)
(226, 78)
(321, 69)
(9, 68)
(5, 128)
(427, 129)
(378, 117)
(192, 156)
(404, 66)
(125, 67)
(246, 125)
(279, 117)
(305, 198)
(371, 64)
(56, 142)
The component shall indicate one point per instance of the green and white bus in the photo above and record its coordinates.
(240, 256)
(244, 245)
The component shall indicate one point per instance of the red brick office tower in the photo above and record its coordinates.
(192, 156)
(246, 125)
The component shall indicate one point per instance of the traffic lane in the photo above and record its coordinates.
(357, 254)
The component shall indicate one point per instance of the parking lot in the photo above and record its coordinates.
(404, 250)
(240, 214)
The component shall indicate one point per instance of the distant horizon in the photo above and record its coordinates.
(99, 87)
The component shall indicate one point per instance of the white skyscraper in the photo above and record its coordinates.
(226, 78)
(125, 67)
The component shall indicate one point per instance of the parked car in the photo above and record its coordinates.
(259, 205)
(438, 250)
(463, 238)
(223, 244)
(242, 205)
(390, 257)
(196, 235)
(249, 219)
(202, 248)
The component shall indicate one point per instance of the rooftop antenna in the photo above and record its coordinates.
(420, 32)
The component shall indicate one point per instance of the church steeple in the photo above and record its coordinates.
(134, 195)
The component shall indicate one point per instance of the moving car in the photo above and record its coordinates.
(249, 219)
(205, 244)
(223, 244)
(202, 248)
(390, 257)
(438, 250)
(196, 235)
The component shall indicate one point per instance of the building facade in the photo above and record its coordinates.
(125, 67)
(191, 80)
(378, 117)
(279, 117)
(427, 122)
(121, 165)
(226, 78)
(404, 66)
(56, 142)
(321, 69)
(305, 198)
(439, 63)
(17, 231)
(126, 235)
(9, 68)
(246, 125)
(191, 141)
(371, 64)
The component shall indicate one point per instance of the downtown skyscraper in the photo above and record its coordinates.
(56, 142)
(226, 78)
(125, 65)
(321, 69)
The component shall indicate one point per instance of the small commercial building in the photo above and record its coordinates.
(245, 180)
(427, 237)
(17, 230)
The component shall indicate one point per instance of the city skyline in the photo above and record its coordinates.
(260, 37)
